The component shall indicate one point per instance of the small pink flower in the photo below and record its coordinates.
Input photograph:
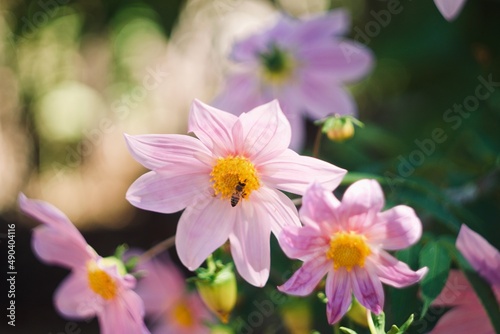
(95, 286)
(302, 63)
(468, 314)
(227, 179)
(449, 8)
(347, 241)
(172, 309)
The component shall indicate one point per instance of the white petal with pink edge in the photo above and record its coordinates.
(250, 244)
(293, 173)
(319, 208)
(202, 228)
(166, 193)
(175, 152)
(303, 243)
(213, 127)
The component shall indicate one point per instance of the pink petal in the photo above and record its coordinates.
(449, 8)
(123, 315)
(74, 299)
(169, 151)
(338, 292)
(361, 203)
(57, 241)
(304, 280)
(482, 256)
(319, 207)
(282, 172)
(464, 320)
(367, 288)
(322, 97)
(457, 291)
(202, 228)
(303, 243)
(343, 61)
(168, 192)
(250, 244)
(280, 210)
(266, 132)
(241, 94)
(394, 272)
(213, 127)
(161, 287)
(396, 228)
(334, 23)
(297, 124)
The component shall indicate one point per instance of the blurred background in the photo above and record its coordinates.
(76, 75)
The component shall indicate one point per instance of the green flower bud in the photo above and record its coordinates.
(217, 288)
(339, 128)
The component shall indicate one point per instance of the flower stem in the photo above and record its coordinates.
(157, 249)
(317, 142)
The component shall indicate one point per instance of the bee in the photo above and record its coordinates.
(238, 193)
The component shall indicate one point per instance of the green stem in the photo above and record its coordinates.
(317, 142)
(157, 249)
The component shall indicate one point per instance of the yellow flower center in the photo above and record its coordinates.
(277, 65)
(348, 249)
(182, 315)
(234, 178)
(100, 282)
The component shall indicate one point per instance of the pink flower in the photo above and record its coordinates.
(347, 241)
(468, 314)
(227, 180)
(303, 64)
(172, 309)
(95, 287)
(449, 8)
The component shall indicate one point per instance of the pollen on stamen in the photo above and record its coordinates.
(230, 171)
(101, 282)
(348, 249)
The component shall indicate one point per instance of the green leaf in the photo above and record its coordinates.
(347, 330)
(378, 323)
(436, 257)
(406, 299)
(395, 330)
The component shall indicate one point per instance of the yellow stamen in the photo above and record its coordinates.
(182, 315)
(100, 282)
(348, 249)
(277, 66)
(232, 175)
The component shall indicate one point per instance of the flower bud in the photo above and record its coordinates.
(358, 313)
(297, 317)
(218, 291)
(339, 128)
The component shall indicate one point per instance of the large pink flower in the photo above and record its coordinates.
(227, 180)
(468, 314)
(449, 8)
(95, 287)
(303, 64)
(172, 309)
(347, 241)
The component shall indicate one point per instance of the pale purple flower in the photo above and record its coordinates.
(347, 241)
(169, 305)
(449, 8)
(96, 286)
(302, 63)
(467, 314)
(227, 179)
